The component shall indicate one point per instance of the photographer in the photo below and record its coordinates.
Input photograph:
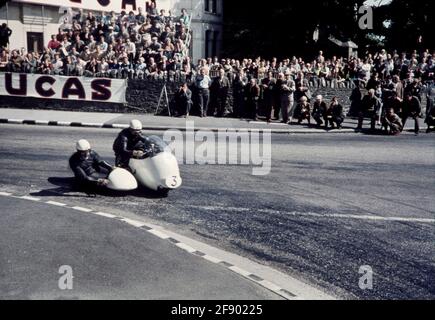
(183, 101)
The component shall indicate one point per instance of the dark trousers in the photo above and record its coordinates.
(320, 119)
(203, 96)
(335, 120)
(371, 115)
(238, 105)
(269, 108)
(416, 122)
(252, 107)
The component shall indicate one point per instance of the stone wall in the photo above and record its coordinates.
(142, 97)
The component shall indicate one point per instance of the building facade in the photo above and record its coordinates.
(34, 21)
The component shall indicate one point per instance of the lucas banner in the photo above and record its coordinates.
(65, 88)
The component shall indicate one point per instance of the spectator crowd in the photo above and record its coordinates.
(125, 45)
(154, 44)
(282, 90)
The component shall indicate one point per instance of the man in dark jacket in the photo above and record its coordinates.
(130, 143)
(392, 123)
(335, 114)
(252, 96)
(89, 170)
(319, 111)
(5, 33)
(370, 108)
(239, 85)
(183, 100)
(219, 91)
(411, 109)
(268, 88)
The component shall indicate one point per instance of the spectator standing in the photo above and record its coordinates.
(288, 88)
(239, 84)
(219, 91)
(411, 109)
(202, 86)
(252, 96)
(370, 107)
(268, 89)
(5, 33)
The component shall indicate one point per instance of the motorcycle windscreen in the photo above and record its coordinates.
(122, 180)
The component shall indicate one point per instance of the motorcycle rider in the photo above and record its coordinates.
(130, 143)
(89, 170)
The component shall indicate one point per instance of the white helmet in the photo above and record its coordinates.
(83, 145)
(135, 125)
(319, 97)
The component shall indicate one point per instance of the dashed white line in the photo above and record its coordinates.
(186, 247)
(134, 223)
(317, 215)
(30, 198)
(212, 259)
(54, 203)
(240, 271)
(104, 214)
(82, 209)
(159, 234)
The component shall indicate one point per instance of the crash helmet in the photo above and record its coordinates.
(83, 145)
(135, 125)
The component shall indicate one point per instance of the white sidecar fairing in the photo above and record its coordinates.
(121, 180)
(160, 171)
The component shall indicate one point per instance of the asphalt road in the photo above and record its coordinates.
(108, 260)
(331, 204)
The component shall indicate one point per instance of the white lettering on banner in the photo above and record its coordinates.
(65, 88)
(97, 5)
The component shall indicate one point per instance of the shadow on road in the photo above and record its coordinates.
(67, 187)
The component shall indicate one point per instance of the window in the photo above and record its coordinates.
(35, 41)
(211, 6)
(211, 43)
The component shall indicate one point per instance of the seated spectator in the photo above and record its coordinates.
(53, 44)
(391, 123)
(30, 64)
(16, 62)
(320, 111)
(335, 114)
(303, 110)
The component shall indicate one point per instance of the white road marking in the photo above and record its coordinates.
(120, 126)
(63, 123)
(317, 215)
(82, 209)
(186, 247)
(310, 292)
(42, 122)
(94, 125)
(134, 223)
(269, 285)
(212, 259)
(54, 203)
(30, 198)
(6, 194)
(15, 121)
(159, 234)
(240, 271)
(106, 215)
